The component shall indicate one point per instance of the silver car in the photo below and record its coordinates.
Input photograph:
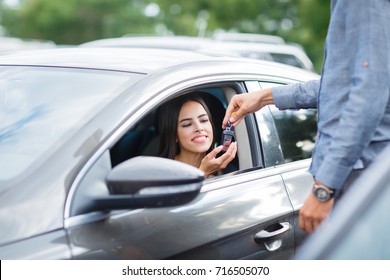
(80, 178)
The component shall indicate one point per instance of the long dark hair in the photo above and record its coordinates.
(168, 119)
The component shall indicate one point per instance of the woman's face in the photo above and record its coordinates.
(194, 129)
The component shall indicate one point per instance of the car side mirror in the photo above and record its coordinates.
(148, 182)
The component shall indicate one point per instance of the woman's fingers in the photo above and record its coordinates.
(228, 156)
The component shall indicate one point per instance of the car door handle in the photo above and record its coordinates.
(272, 233)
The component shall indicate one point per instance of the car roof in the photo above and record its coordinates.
(139, 60)
(132, 59)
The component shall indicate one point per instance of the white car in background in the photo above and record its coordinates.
(282, 53)
(247, 37)
(12, 44)
(151, 41)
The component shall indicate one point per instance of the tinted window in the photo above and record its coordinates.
(287, 59)
(297, 131)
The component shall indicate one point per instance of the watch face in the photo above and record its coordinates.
(322, 194)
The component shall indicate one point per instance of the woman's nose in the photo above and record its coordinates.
(199, 126)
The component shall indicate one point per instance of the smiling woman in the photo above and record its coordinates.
(187, 135)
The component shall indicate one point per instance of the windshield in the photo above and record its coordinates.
(41, 105)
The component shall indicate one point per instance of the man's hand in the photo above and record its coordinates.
(243, 104)
(313, 212)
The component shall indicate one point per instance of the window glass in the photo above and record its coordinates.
(287, 59)
(40, 106)
(297, 131)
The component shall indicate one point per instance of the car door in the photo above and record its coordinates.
(246, 214)
(232, 218)
(295, 131)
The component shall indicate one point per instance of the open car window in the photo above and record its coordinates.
(143, 139)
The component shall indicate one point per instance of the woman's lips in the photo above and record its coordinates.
(199, 138)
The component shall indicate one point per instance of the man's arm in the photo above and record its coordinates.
(297, 96)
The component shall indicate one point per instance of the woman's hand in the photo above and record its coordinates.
(211, 164)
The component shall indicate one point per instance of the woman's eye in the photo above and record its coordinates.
(186, 124)
(204, 120)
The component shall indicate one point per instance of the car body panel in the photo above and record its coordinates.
(49, 246)
(206, 219)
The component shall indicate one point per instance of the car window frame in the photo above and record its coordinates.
(102, 162)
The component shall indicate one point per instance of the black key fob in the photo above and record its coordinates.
(227, 136)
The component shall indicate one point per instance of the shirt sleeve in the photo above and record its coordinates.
(297, 96)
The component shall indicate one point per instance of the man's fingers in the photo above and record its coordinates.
(305, 224)
(228, 114)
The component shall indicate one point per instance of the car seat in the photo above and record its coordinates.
(134, 141)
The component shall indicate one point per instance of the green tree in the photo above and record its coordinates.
(76, 21)
(300, 21)
(73, 21)
(311, 28)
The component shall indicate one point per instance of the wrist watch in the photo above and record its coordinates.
(323, 193)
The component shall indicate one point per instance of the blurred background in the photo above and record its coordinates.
(28, 24)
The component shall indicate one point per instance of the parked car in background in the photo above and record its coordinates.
(10, 45)
(80, 176)
(282, 53)
(247, 37)
(359, 227)
(150, 41)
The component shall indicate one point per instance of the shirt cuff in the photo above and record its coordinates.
(283, 97)
(332, 175)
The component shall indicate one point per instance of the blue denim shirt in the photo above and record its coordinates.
(352, 96)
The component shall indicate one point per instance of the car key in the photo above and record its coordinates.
(227, 136)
